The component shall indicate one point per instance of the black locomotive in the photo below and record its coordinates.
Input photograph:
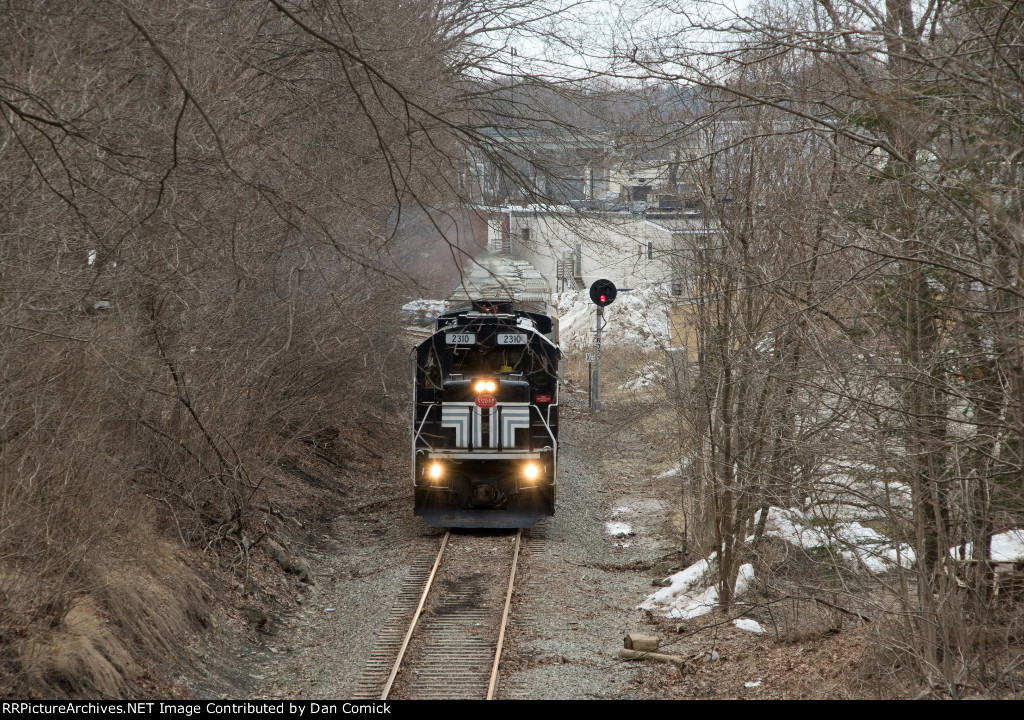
(485, 418)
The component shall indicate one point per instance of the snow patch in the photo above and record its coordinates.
(749, 625)
(691, 593)
(650, 375)
(675, 470)
(638, 319)
(422, 311)
(1006, 547)
(857, 545)
(618, 529)
(434, 306)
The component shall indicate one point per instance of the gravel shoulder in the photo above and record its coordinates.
(579, 591)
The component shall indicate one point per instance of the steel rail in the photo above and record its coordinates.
(504, 617)
(416, 617)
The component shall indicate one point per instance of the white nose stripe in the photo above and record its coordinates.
(467, 421)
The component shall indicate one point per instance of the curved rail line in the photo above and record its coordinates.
(415, 618)
(452, 631)
(504, 617)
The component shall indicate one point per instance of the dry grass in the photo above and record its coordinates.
(85, 584)
(83, 633)
(618, 365)
(135, 438)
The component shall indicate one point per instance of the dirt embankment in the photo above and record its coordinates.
(143, 615)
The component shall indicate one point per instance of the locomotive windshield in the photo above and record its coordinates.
(513, 360)
(534, 362)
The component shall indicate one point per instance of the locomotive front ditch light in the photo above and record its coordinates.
(435, 471)
(531, 471)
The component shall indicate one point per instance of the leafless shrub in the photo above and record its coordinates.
(195, 255)
(900, 355)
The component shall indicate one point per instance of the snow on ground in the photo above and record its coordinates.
(1006, 547)
(618, 529)
(423, 311)
(749, 625)
(845, 488)
(680, 584)
(651, 374)
(674, 470)
(638, 318)
(434, 306)
(857, 545)
(621, 531)
(575, 320)
(630, 521)
(691, 594)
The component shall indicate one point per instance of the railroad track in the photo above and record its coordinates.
(448, 623)
(417, 333)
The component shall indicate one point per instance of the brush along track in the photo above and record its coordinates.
(447, 645)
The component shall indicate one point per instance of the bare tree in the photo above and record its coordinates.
(919, 108)
(197, 262)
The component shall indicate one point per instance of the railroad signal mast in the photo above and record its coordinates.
(602, 293)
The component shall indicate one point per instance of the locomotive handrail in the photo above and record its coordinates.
(419, 430)
(550, 405)
(547, 426)
(554, 443)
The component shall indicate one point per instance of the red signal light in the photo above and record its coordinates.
(602, 292)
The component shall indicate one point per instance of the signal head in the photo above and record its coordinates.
(603, 292)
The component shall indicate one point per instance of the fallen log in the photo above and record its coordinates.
(677, 660)
(636, 641)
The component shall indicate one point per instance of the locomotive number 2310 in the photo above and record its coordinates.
(511, 339)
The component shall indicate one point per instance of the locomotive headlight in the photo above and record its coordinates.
(531, 471)
(488, 385)
(480, 386)
(435, 471)
(491, 386)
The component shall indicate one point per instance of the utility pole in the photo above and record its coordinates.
(602, 293)
(595, 393)
(512, 81)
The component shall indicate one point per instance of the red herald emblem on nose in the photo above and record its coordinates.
(486, 401)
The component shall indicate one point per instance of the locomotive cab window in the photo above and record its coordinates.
(508, 360)
(430, 370)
